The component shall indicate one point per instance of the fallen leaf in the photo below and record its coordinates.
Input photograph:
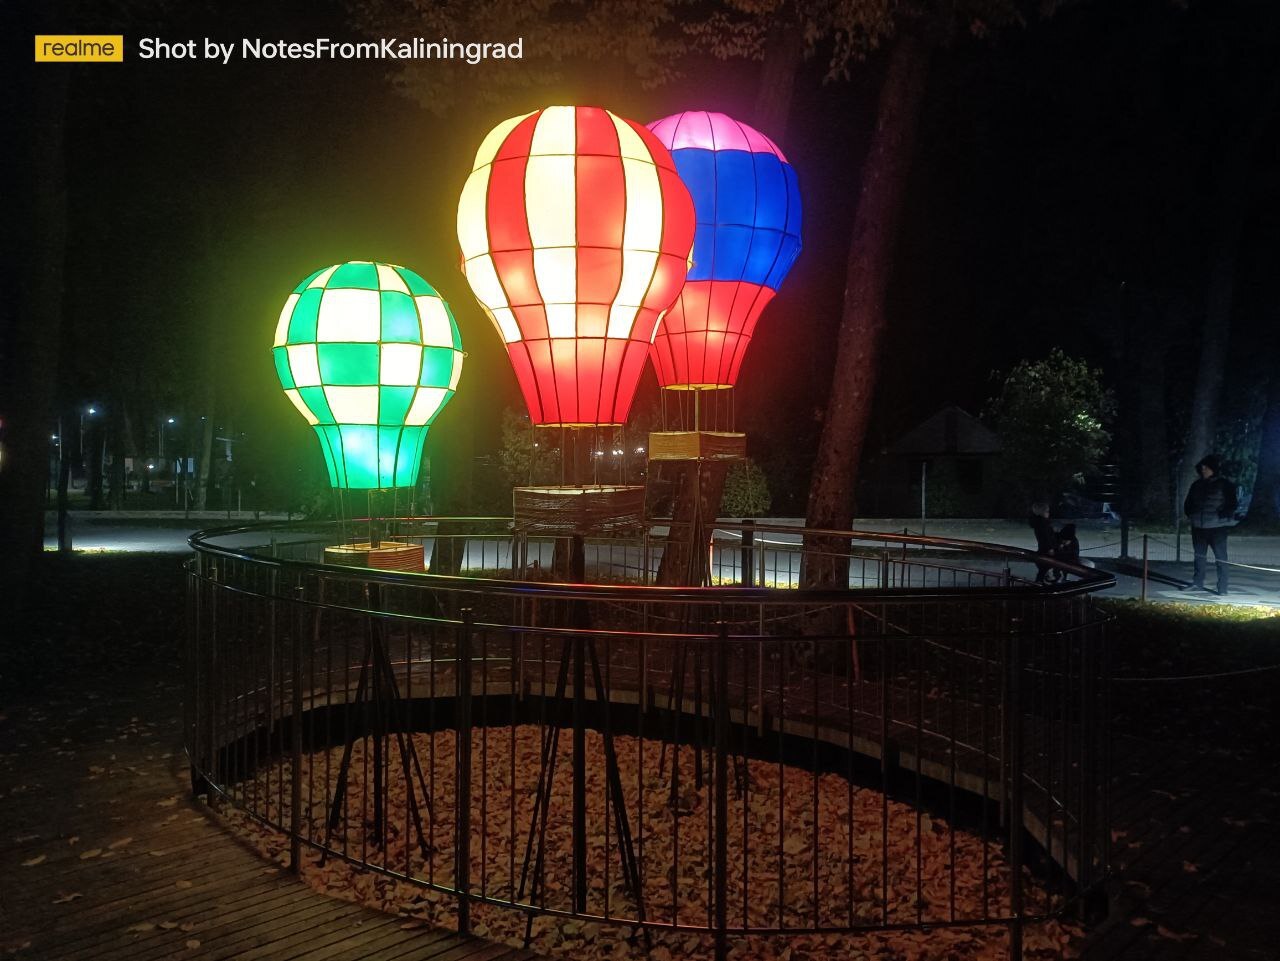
(167, 802)
(1140, 922)
(168, 925)
(74, 839)
(119, 844)
(91, 853)
(32, 862)
(1174, 935)
(142, 927)
(1190, 868)
(192, 944)
(182, 884)
(68, 898)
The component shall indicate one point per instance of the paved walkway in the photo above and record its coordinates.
(155, 532)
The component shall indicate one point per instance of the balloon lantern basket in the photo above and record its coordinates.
(571, 510)
(697, 445)
(387, 556)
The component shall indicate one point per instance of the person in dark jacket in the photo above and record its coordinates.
(1068, 548)
(1211, 508)
(1046, 537)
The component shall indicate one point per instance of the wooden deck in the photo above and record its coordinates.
(104, 856)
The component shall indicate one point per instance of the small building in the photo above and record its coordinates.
(955, 455)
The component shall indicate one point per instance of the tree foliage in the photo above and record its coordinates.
(1052, 416)
(746, 491)
(524, 458)
(845, 32)
(638, 40)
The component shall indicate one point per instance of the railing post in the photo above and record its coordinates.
(748, 542)
(1145, 567)
(721, 867)
(579, 779)
(1089, 795)
(1013, 752)
(762, 580)
(295, 780)
(209, 776)
(462, 827)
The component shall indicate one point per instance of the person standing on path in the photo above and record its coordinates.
(1211, 508)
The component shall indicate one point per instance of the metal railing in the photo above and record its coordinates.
(731, 761)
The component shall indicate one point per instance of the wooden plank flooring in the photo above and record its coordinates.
(105, 857)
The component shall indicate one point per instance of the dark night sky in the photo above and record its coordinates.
(1064, 174)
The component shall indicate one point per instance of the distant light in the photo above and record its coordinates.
(151, 467)
(170, 420)
(53, 437)
(639, 450)
(93, 410)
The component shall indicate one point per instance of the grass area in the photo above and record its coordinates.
(1191, 671)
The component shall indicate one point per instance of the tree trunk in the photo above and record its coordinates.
(1231, 203)
(862, 322)
(782, 58)
(31, 357)
(116, 441)
(1264, 509)
(66, 457)
(1214, 332)
(96, 448)
(1153, 439)
(686, 555)
(205, 452)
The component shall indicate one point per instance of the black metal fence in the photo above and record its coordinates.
(728, 761)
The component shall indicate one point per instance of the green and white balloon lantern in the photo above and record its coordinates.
(369, 354)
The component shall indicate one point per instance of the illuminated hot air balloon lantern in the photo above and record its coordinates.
(747, 203)
(575, 231)
(369, 354)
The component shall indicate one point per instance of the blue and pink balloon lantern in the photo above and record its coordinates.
(747, 206)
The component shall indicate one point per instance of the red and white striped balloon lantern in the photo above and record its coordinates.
(576, 232)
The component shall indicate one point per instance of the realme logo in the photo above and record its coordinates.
(79, 48)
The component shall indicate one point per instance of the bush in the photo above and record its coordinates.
(1051, 415)
(746, 491)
